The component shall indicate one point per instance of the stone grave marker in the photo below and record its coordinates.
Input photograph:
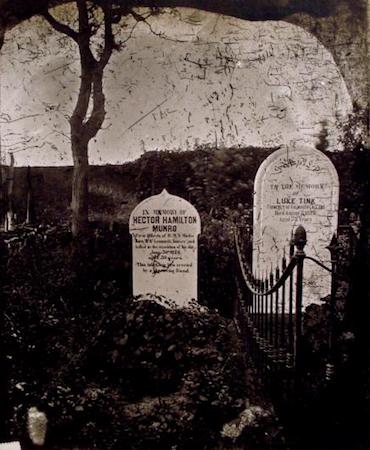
(15, 445)
(294, 187)
(165, 231)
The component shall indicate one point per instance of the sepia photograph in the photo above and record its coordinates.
(184, 224)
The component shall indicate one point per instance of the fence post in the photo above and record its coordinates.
(236, 306)
(290, 360)
(30, 208)
(300, 240)
(333, 249)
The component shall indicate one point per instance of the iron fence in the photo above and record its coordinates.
(269, 314)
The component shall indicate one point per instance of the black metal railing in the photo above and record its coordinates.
(269, 310)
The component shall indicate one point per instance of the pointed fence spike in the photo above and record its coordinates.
(300, 238)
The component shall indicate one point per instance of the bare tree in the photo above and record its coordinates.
(90, 26)
(93, 34)
(89, 112)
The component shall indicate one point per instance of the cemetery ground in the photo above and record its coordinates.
(114, 372)
(109, 371)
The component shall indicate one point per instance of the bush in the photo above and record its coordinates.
(142, 377)
(108, 370)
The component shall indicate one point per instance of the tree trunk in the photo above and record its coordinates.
(85, 126)
(79, 204)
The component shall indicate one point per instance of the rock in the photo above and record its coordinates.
(247, 418)
(37, 426)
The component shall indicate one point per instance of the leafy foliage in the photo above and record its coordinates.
(113, 372)
(110, 371)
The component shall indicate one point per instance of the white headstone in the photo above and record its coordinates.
(15, 445)
(296, 187)
(165, 231)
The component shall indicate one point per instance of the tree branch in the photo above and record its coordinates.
(83, 18)
(88, 66)
(140, 18)
(61, 27)
(84, 34)
(108, 35)
(83, 100)
(96, 119)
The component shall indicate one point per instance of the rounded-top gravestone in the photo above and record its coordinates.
(295, 187)
(165, 231)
